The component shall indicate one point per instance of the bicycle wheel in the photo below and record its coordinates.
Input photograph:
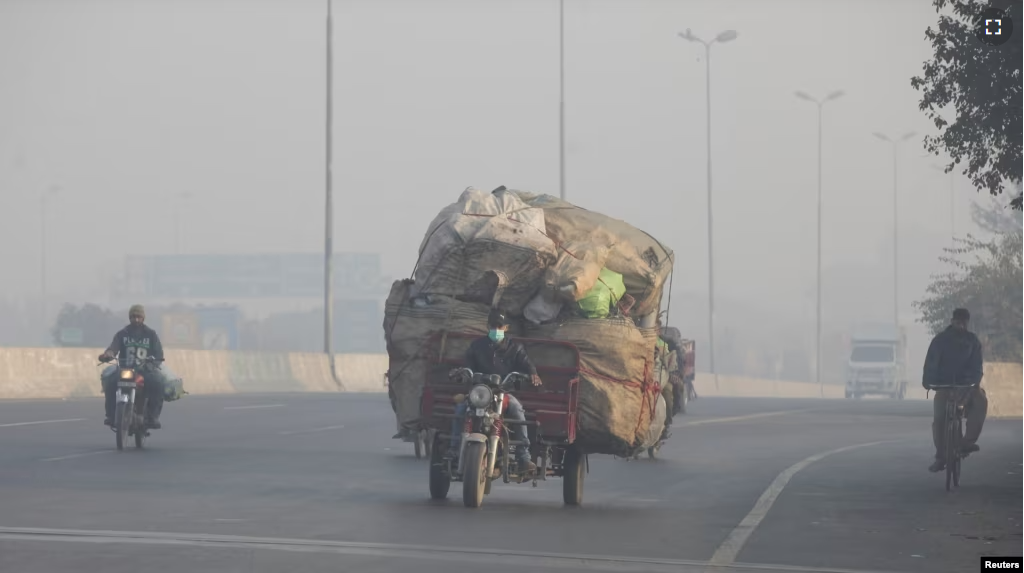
(958, 433)
(950, 443)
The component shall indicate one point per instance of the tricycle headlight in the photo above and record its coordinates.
(126, 374)
(480, 396)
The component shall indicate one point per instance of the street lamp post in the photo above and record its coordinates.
(817, 332)
(43, 267)
(895, 220)
(179, 199)
(561, 99)
(329, 202)
(952, 199)
(722, 37)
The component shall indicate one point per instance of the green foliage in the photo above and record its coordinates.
(985, 279)
(98, 325)
(981, 86)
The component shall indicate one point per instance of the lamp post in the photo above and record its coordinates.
(44, 197)
(895, 220)
(179, 199)
(329, 201)
(561, 99)
(817, 332)
(722, 37)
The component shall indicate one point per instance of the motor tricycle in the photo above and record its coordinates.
(486, 449)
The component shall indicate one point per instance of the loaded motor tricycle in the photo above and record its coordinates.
(485, 453)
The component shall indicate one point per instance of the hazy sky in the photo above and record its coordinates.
(125, 104)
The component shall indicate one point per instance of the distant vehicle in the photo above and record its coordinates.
(877, 362)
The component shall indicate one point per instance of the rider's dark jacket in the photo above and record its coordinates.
(954, 357)
(488, 357)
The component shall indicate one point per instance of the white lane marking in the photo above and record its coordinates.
(41, 422)
(313, 431)
(512, 558)
(256, 407)
(72, 456)
(747, 417)
(730, 548)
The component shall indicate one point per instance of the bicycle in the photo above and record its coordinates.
(954, 430)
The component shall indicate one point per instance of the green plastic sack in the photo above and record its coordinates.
(598, 301)
(174, 388)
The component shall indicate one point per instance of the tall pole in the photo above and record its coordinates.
(329, 200)
(711, 217)
(820, 103)
(722, 37)
(561, 99)
(43, 263)
(895, 222)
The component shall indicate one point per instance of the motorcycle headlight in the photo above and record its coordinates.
(126, 374)
(480, 396)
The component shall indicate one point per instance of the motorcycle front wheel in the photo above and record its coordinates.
(140, 432)
(121, 423)
(473, 481)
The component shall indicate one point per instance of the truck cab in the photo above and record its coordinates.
(877, 363)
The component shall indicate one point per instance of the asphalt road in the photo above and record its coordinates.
(313, 483)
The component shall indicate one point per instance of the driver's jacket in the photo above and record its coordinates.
(502, 358)
(133, 344)
(954, 358)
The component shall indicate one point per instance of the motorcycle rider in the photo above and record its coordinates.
(131, 346)
(497, 354)
(954, 358)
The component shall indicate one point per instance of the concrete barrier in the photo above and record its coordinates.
(42, 373)
(55, 373)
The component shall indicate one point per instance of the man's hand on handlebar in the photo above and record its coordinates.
(535, 380)
(106, 357)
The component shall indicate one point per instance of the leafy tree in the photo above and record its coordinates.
(981, 85)
(995, 217)
(989, 286)
(97, 324)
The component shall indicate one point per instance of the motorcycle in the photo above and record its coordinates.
(131, 402)
(486, 450)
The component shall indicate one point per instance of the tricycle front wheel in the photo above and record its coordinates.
(474, 481)
(574, 468)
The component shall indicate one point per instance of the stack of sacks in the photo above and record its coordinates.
(559, 271)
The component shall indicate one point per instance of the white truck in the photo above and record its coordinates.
(878, 361)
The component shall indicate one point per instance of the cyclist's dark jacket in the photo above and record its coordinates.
(488, 357)
(134, 343)
(954, 357)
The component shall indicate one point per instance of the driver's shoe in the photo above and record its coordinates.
(153, 423)
(526, 466)
(969, 448)
(108, 421)
(937, 466)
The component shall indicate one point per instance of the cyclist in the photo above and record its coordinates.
(954, 359)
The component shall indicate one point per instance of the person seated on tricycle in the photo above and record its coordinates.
(497, 354)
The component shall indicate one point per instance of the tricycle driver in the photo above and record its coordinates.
(497, 354)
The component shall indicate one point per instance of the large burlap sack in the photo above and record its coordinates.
(484, 232)
(657, 426)
(644, 263)
(577, 269)
(618, 395)
(409, 325)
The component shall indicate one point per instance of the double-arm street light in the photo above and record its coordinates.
(895, 143)
(817, 333)
(721, 38)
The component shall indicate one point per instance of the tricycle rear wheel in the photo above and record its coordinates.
(440, 481)
(574, 468)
